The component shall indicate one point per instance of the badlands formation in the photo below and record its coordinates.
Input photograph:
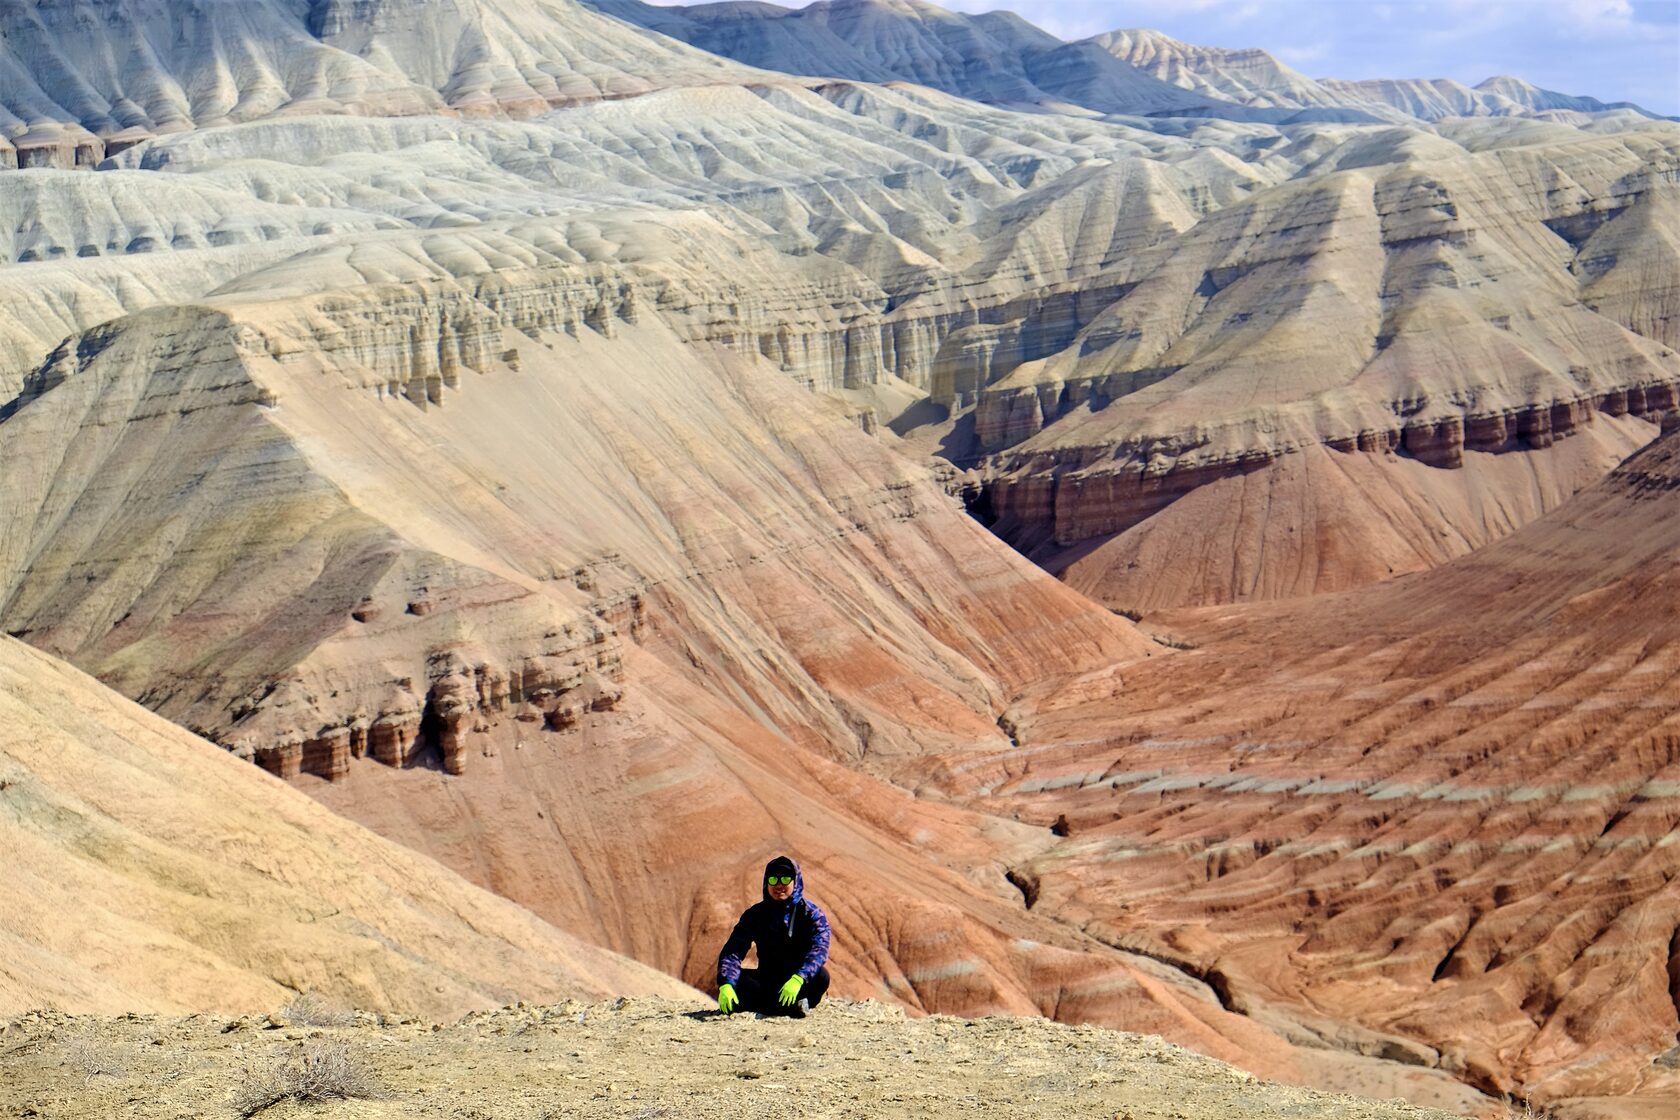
(1434, 819)
(545, 443)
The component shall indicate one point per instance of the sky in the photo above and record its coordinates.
(1614, 50)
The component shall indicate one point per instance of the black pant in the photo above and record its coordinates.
(759, 990)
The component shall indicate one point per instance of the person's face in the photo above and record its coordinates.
(779, 890)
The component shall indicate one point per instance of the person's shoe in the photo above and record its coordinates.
(801, 1008)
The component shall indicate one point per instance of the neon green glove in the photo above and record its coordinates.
(727, 999)
(790, 990)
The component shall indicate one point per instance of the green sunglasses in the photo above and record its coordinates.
(778, 880)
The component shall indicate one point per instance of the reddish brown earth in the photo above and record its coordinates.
(599, 622)
(1437, 818)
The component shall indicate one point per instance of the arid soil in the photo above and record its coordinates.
(643, 1058)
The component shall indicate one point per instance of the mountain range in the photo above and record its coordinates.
(1132, 518)
(1000, 58)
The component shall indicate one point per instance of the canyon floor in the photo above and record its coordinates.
(641, 1058)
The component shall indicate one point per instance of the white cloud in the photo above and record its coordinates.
(1304, 55)
(1600, 11)
(1601, 18)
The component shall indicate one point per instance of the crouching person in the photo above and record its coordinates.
(791, 933)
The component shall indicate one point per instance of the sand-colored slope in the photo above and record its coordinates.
(148, 870)
(1442, 810)
(1321, 520)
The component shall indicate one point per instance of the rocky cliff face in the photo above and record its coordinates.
(1452, 319)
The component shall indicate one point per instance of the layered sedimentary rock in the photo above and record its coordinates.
(1377, 330)
(1434, 818)
(150, 871)
(911, 232)
(1008, 280)
(86, 80)
(228, 399)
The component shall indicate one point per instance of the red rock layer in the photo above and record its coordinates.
(1322, 520)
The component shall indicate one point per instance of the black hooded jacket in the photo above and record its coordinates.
(792, 936)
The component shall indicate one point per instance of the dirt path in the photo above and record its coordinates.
(641, 1059)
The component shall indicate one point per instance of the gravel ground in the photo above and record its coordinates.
(640, 1059)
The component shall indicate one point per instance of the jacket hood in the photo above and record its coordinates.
(783, 865)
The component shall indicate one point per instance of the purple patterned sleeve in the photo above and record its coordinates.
(817, 955)
(740, 940)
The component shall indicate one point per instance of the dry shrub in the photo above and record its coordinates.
(92, 1058)
(309, 1010)
(322, 1069)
